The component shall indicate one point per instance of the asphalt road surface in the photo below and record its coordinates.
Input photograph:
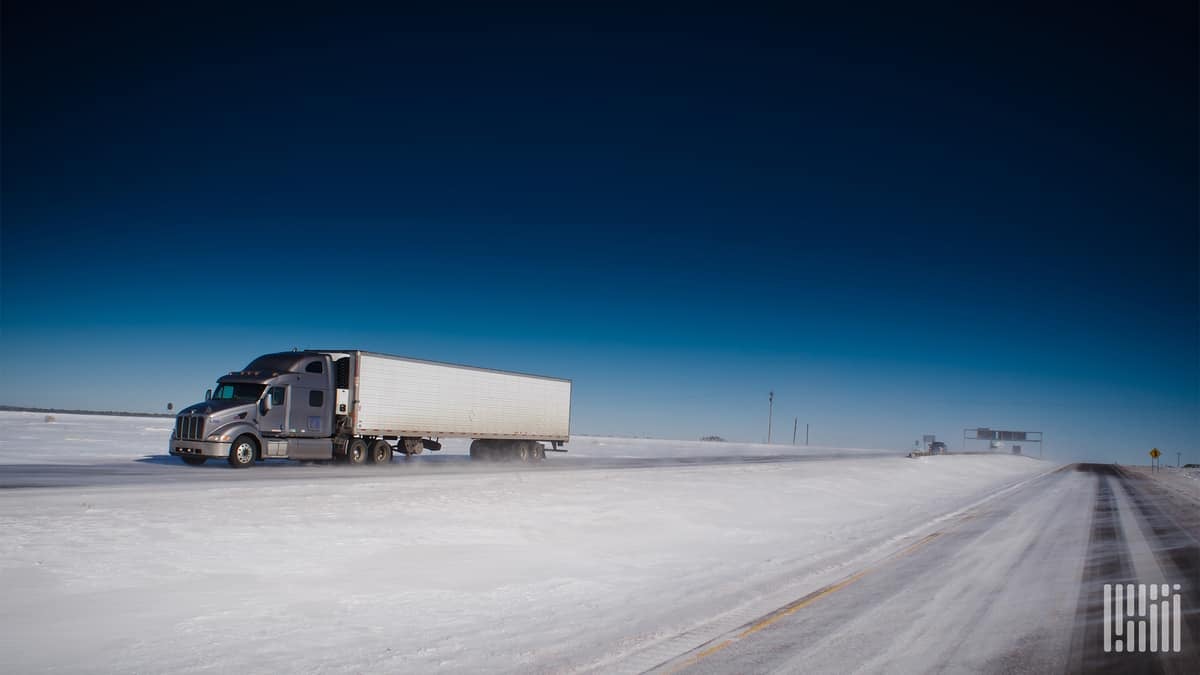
(158, 469)
(1013, 586)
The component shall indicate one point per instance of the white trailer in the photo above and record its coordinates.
(398, 396)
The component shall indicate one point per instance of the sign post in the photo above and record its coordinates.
(1154, 454)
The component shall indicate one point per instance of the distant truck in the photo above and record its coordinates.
(361, 407)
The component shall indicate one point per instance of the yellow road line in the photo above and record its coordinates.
(797, 605)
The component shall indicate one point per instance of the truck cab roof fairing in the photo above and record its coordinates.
(279, 362)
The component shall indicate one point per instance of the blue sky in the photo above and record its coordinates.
(901, 225)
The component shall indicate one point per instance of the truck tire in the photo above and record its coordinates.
(193, 460)
(481, 450)
(356, 452)
(381, 452)
(413, 446)
(520, 451)
(242, 451)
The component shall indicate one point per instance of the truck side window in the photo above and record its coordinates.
(276, 396)
(314, 367)
(316, 398)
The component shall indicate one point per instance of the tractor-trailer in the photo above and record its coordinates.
(362, 407)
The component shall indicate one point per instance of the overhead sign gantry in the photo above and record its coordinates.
(997, 439)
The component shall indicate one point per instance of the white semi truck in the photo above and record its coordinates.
(361, 407)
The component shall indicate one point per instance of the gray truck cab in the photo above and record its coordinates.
(284, 405)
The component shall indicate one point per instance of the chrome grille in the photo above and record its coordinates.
(189, 427)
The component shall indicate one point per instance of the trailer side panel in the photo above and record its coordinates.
(397, 396)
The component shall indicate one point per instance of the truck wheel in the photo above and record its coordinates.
(241, 453)
(520, 451)
(481, 451)
(192, 460)
(356, 452)
(381, 452)
(413, 446)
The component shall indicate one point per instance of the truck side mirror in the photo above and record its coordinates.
(264, 405)
(208, 394)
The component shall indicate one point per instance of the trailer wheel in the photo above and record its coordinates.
(412, 446)
(356, 452)
(520, 451)
(242, 451)
(381, 452)
(193, 460)
(480, 450)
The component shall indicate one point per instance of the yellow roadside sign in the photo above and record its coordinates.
(1155, 453)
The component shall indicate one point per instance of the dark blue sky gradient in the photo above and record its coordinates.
(904, 221)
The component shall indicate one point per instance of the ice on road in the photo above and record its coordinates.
(1015, 585)
(501, 572)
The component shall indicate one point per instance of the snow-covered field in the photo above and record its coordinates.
(28, 438)
(1184, 481)
(69, 439)
(510, 571)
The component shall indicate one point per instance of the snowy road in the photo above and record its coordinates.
(97, 451)
(1015, 585)
(156, 470)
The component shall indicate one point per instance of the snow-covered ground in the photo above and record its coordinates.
(1184, 481)
(27, 437)
(41, 438)
(512, 571)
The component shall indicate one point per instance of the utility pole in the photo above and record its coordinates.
(770, 413)
(1178, 459)
(795, 422)
(806, 433)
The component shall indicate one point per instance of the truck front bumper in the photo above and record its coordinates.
(184, 448)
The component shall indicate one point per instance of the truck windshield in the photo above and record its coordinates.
(237, 391)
